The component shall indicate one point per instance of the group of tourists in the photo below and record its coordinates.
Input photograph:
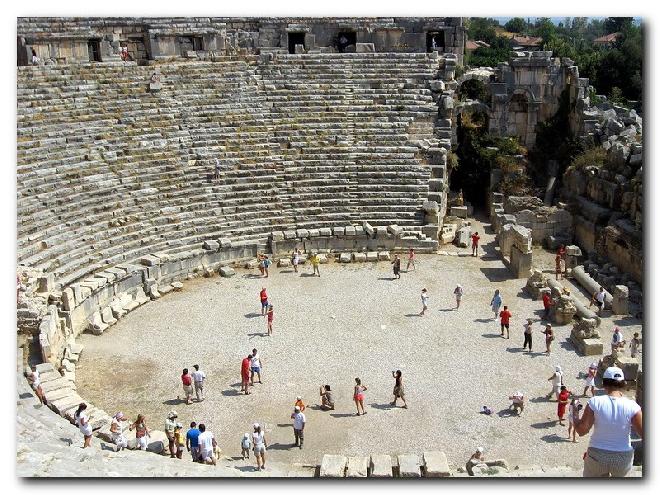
(193, 381)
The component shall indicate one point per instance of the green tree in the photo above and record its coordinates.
(617, 24)
(516, 25)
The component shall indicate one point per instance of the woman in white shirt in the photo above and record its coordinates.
(610, 453)
(259, 442)
(82, 421)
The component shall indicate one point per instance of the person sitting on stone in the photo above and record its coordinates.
(327, 401)
(477, 459)
(617, 340)
(517, 402)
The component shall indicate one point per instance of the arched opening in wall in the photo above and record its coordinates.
(474, 89)
(518, 117)
(472, 174)
(295, 39)
(346, 39)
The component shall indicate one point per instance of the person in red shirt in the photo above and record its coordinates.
(475, 243)
(186, 380)
(264, 300)
(270, 319)
(505, 314)
(547, 303)
(245, 374)
(562, 402)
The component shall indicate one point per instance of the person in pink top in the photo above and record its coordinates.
(411, 259)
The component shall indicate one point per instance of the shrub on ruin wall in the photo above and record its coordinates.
(593, 157)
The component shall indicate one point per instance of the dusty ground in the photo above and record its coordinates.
(354, 321)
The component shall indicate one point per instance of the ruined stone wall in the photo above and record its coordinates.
(65, 40)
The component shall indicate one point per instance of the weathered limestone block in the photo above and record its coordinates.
(325, 231)
(620, 300)
(629, 366)
(227, 271)
(372, 256)
(349, 230)
(592, 347)
(106, 315)
(68, 365)
(381, 466)
(323, 259)
(338, 231)
(357, 467)
(177, 286)
(153, 292)
(211, 245)
(283, 262)
(46, 283)
(345, 258)
(314, 233)
(117, 308)
(333, 466)
(360, 257)
(462, 238)
(383, 256)
(251, 264)
(585, 336)
(68, 299)
(364, 48)
(521, 263)
(96, 325)
(395, 230)
(459, 211)
(289, 234)
(302, 233)
(368, 229)
(409, 466)
(537, 283)
(563, 310)
(436, 465)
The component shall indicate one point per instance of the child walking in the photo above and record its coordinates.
(425, 301)
(246, 445)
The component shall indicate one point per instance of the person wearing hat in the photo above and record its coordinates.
(528, 334)
(245, 446)
(458, 292)
(477, 459)
(610, 453)
(298, 426)
(170, 425)
(590, 380)
(557, 380)
(259, 442)
(517, 402)
(116, 433)
(617, 340)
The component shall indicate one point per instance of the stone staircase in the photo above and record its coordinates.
(108, 172)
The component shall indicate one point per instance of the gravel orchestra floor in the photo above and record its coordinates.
(353, 321)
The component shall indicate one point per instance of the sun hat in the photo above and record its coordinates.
(119, 415)
(480, 449)
(558, 368)
(178, 425)
(593, 365)
(297, 408)
(247, 435)
(613, 373)
(256, 425)
(171, 414)
(299, 398)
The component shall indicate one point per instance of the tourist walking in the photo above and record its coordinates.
(263, 297)
(635, 342)
(179, 440)
(496, 303)
(327, 399)
(295, 260)
(246, 445)
(260, 445)
(170, 424)
(617, 339)
(255, 367)
(425, 302)
(260, 260)
(557, 380)
(298, 426)
(559, 267)
(561, 251)
(245, 374)
(399, 392)
(475, 243)
(517, 402)
(299, 402)
(314, 261)
(574, 409)
(562, 403)
(82, 422)
(549, 337)
(199, 377)
(547, 304)
(505, 316)
(590, 380)
(269, 320)
(186, 381)
(411, 259)
(216, 175)
(207, 445)
(192, 441)
(267, 263)
(358, 395)
(141, 432)
(396, 266)
(458, 292)
(528, 335)
(35, 383)
(116, 432)
(599, 299)
(611, 416)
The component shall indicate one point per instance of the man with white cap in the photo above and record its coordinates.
(298, 426)
(557, 380)
(116, 432)
(590, 380)
(170, 424)
(610, 453)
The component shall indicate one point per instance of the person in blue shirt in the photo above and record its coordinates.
(192, 444)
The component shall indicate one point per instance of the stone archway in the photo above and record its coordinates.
(521, 116)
